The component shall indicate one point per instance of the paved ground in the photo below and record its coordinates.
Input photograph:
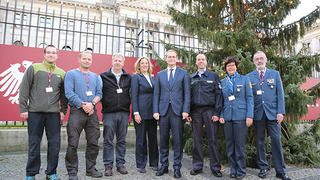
(12, 167)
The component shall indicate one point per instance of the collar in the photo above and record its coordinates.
(202, 71)
(174, 68)
(50, 66)
(115, 74)
(264, 71)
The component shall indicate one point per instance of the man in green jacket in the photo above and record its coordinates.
(41, 90)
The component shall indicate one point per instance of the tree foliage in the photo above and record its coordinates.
(240, 28)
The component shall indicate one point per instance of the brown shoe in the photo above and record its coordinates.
(108, 171)
(122, 170)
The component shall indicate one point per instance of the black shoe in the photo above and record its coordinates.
(94, 173)
(177, 173)
(162, 170)
(262, 173)
(233, 175)
(282, 176)
(196, 171)
(240, 176)
(217, 173)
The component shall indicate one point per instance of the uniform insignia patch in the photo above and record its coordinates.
(270, 80)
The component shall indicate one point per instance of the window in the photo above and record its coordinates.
(67, 48)
(183, 38)
(18, 20)
(129, 49)
(89, 26)
(44, 20)
(18, 43)
(129, 30)
(42, 45)
(166, 35)
(89, 49)
(70, 24)
(149, 33)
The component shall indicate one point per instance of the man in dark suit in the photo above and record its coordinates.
(206, 104)
(171, 104)
(269, 109)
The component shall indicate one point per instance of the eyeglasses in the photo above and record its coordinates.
(53, 53)
(257, 59)
(231, 65)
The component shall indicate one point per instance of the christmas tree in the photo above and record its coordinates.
(240, 28)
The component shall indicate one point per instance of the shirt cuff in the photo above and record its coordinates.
(135, 113)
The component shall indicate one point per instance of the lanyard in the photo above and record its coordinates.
(49, 75)
(118, 81)
(261, 78)
(87, 80)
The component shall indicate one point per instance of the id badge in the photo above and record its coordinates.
(259, 92)
(49, 89)
(231, 98)
(89, 93)
(119, 91)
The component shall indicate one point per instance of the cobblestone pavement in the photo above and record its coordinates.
(12, 167)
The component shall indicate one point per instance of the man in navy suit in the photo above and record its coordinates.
(269, 109)
(206, 103)
(171, 105)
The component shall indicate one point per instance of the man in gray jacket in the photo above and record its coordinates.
(40, 92)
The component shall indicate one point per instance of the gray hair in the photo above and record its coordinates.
(259, 52)
(118, 55)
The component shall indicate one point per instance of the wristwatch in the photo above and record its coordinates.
(93, 103)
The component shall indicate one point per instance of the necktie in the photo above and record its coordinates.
(261, 74)
(171, 78)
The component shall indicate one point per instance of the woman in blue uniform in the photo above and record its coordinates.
(236, 115)
(142, 84)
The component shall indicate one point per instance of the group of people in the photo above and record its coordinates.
(171, 99)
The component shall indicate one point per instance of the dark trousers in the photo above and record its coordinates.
(276, 144)
(198, 119)
(115, 123)
(79, 120)
(171, 120)
(146, 127)
(236, 135)
(36, 124)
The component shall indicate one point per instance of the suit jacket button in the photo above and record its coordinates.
(262, 101)
(170, 92)
(230, 105)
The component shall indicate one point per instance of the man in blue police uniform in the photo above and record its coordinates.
(206, 104)
(171, 104)
(268, 112)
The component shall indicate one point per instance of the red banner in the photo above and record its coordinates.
(15, 59)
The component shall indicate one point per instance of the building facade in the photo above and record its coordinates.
(132, 27)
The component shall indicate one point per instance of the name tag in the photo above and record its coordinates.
(209, 81)
(231, 98)
(89, 93)
(48, 89)
(119, 91)
(259, 92)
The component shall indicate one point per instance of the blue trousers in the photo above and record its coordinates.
(37, 122)
(171, 121)
(143, 140)
(212, 128)
(236, 135)
(114, 123)
(276, 144)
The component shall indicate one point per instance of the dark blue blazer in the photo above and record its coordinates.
(242, 106)
(271, 101)
(179, 94)
(142, 96)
